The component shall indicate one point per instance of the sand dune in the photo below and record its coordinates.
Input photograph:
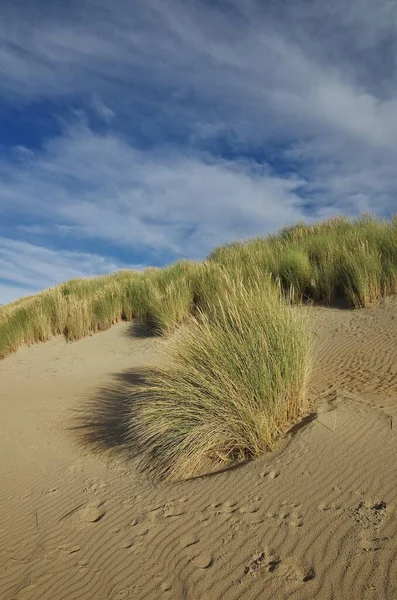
(316, 519)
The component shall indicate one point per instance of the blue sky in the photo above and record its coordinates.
(140, 132)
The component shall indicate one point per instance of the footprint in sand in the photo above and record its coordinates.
(95, 487)
(262, 560)
(369, 516)
(296, 521)
(127, 544)
(249, 508)
(332, 506)
(289, 518)
(132, 535)
(368, 543)
(141, 529)
(76, 468)
(226, 508)
(250, 514)
(83, 563)
(267, 562)
(294, 503)
(271, 474)
(92, 512)
(173, 511)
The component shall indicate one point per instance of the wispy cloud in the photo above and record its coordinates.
(196, 123)
(101, 187)
(103, 111)
(26, 268)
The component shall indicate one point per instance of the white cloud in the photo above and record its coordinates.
(26, 269)
(98, 187)
(101, 187)
(273, 70)
(311, 87)
(103, 111)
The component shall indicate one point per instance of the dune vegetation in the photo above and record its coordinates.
(338, 259)
(237, 376)
(351, 260)
(241, 359)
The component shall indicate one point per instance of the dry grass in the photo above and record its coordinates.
(339, 258)
(237, 377)
(80, 307)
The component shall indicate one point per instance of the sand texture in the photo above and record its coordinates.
(315, 519)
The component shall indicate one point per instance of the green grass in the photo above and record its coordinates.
(80, 307)
(354, 260)
(237, 376)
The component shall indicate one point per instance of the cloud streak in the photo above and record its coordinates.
(27, 268)
(164, 202)
(195, 122)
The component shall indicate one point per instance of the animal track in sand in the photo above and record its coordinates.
(166, 586)
(289, 518)
(160, 512)
(251, 517)
(83, 563)
(259, 561)
(173, 511)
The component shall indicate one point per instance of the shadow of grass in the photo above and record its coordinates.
(103, 423)
(140, 331)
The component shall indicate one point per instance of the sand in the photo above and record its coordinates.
(315, 519)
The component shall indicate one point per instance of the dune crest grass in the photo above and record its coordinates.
(338, 259)
(354, 260)
(237, 377)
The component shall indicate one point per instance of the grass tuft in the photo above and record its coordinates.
(237, 376)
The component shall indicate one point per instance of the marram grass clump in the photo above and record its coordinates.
(237, 377)
(160, 298)
(353, 260)
(339, 259)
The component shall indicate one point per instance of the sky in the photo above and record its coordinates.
(140, 132)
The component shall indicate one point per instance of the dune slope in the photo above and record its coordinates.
(316, 519)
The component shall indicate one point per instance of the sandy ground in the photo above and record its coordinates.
(316, 519)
